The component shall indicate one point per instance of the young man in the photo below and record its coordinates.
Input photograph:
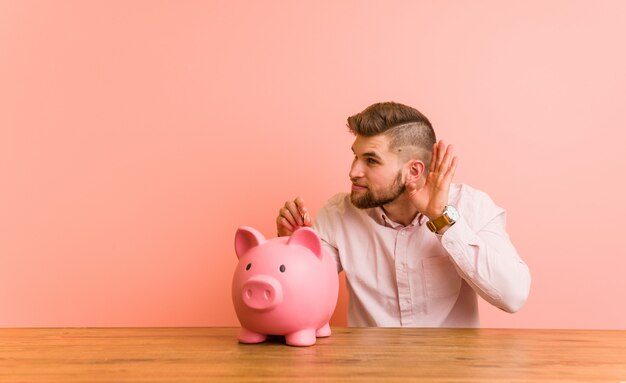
(416, 248)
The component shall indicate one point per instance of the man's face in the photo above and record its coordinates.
(376, 173)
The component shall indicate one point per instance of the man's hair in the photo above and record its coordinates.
(405, 126)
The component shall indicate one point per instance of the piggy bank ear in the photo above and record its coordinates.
(247, 238)
(308, 238)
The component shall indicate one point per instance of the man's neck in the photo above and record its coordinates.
(401, 211)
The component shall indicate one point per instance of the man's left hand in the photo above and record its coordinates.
(431, 198)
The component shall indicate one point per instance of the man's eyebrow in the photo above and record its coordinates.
(372, 155)
(369, 154)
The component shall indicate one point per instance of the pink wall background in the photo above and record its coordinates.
(136, 136)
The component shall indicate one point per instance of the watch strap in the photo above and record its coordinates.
(438, 223)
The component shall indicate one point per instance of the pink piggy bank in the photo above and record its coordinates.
(283, 286)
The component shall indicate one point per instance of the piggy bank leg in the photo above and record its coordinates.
(323, 331)
(304, 337)
(247, 336)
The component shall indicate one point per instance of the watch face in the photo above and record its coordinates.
(452, 213)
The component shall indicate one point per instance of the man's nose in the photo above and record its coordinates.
(356, 171)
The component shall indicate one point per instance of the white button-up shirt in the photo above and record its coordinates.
(408, 276)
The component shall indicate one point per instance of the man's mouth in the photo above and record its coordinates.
(356, 187)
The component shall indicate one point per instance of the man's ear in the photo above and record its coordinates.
(415, 172)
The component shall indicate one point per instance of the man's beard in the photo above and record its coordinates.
(369, 200)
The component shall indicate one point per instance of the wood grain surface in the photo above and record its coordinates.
(350, 354)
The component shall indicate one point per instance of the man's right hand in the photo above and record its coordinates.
(291, 217)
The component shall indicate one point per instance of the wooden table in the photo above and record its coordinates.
(350, 354)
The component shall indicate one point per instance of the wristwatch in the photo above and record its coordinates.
(449, 217)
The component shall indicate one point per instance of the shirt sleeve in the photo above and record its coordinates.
(484, 255)
(323, 225)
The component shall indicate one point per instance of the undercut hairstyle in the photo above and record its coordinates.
(411, 134)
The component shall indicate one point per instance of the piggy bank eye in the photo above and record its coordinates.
(282, 268)
(248, 267)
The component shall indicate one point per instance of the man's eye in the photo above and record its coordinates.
(372, 161)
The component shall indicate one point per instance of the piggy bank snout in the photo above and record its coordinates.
(262, 292)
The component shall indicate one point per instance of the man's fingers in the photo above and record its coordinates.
(304, 213)
(433, 161)
(283, 226)
(286, 213)
(299, 202)
(296, 213)
(439, 152)
(451, 170)
(291, 216)
(447, 159)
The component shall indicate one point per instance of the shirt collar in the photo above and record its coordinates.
(382, 219)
